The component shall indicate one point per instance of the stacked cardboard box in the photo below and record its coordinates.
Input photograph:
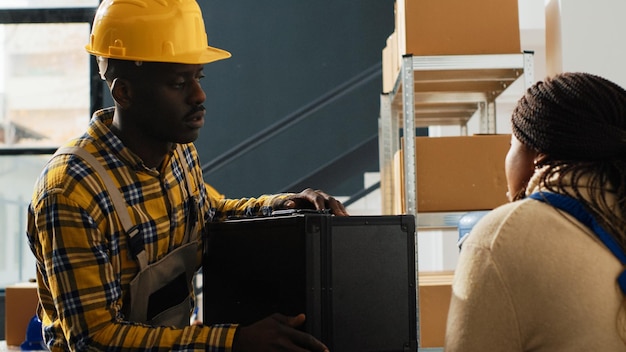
(435, 290)
(20, 307)
(450, 27)
(463, 173)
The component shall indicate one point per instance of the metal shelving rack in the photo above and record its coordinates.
(437, 91)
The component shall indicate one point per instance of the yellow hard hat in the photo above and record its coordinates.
(152, 30)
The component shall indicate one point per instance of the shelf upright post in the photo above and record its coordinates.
(409, 172)
(408, 107)
(491, 114)
(529, 70)
(387, 145)
(484, 120)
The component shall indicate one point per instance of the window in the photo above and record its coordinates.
(17, 175)
(39, 4)
(47, 95)
(44, 83)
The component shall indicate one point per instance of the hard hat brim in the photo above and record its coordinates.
(210, 54)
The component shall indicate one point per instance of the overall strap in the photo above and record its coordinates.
(119, 204)
(576, 209)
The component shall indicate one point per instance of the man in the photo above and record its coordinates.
(118, 215)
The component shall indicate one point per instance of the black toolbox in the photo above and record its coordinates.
(354, 277)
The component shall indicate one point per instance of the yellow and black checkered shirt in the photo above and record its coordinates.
(83, 261)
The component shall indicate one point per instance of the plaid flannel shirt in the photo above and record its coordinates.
(83, 260)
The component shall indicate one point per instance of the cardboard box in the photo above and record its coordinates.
(21, 302)
(390, 63)
(435, 292)
(458, 27)
(464, 173)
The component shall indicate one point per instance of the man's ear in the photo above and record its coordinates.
(121, 91)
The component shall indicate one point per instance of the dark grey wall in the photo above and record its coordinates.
(285, 55)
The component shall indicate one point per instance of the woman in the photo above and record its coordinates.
(531, 276)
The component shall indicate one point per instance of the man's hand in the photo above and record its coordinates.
(276, 333)
(315, 199)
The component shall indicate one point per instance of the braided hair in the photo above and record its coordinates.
(578, 120)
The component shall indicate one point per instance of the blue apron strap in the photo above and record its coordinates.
(576, 209)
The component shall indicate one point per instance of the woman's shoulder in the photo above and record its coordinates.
(525, 218)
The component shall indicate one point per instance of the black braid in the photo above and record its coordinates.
(579, 121)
